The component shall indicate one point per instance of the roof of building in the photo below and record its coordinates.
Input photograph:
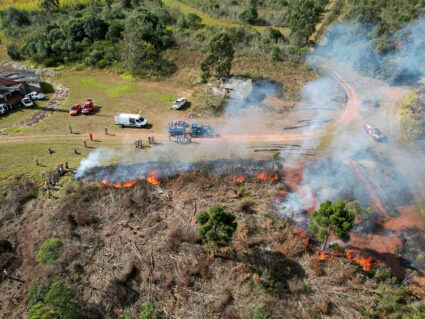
(19, 76)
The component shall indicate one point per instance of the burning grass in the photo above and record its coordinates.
(140, 243)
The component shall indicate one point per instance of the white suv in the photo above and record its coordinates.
(179, 103)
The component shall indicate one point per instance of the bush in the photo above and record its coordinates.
(247, 204)
(149, 311)
(54, 301)
(49, 251)
(13, 51)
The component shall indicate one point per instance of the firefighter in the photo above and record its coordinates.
(61, 168)
(106, 131)
(169, 137)
(189, 138)
(6, 273)
(46, 181)
(48, 193)
(36, 161)
(149, 139)
(152, 139)
(70, 129)
(85, 143)
(91, 137)
(50, 150)
(75, 151)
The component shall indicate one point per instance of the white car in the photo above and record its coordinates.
(179, 103)
(2, 109)
(6, 106)
(36, 96)
(26, 101)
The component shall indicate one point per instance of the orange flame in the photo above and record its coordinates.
(263, 176)
(240, 179)
(129, 183)
(321, 255)
(152, 177)
(365, 262)
(302, 235)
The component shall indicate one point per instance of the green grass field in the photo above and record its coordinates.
(208, 20)
(35, 4)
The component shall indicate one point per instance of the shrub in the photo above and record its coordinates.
(13, 52)
(247, 204)
(49, 251)
(54, 301)
(149, 311)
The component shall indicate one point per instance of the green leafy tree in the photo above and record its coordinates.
(277, 161)
(48, 5)
(217, 226)
(303, 16)
(218, 60)
(332, 217)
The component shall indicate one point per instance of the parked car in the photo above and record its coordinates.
(36, 96)
(27, 102)
(2, 109)
(131, 120)
(6, 106)
(88, 107)
(179, 103)
(75, 109)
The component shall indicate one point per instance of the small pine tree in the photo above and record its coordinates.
(277, 161)
(332, 218)
(217, 226)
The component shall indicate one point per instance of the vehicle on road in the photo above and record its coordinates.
(75, 109)
(27, 102)
(88, 107)
(203, 130)
(36, 96)
(179, 103)
(130, 120)
(374, 132)
(2, 109)
(177, 128)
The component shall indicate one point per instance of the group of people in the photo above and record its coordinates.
(183, 138)
(60, 170)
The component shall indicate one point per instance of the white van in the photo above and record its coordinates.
(131, 120)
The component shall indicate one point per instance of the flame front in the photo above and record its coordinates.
(239, 179)
(263, 176)
(365, 262)
(152, 177)
(129, 183)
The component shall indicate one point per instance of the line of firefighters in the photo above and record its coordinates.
(181, 138)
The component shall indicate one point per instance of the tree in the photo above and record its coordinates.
(332, 218)
(219, 57)
(49, 4)
(277, 160)
(134, 52)
(303, 16)
(250, 14)
(217, 226)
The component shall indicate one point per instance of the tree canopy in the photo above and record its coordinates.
(332, 217)
(217, 226)
(218, 60)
